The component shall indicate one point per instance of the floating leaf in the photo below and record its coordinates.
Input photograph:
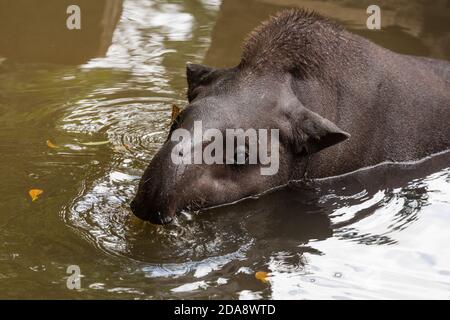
(95, 143)
(51, 145)
(262, 276)
(35, 193)
(175, 112)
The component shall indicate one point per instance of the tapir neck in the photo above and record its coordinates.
(393, 106)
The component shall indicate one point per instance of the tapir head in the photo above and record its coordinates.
(244, 131)
(240, 135)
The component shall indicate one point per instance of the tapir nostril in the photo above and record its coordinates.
(137, 210)
(133, 206)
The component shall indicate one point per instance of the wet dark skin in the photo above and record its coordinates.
(339, 101)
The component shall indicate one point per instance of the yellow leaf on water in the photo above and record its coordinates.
(51, 145)
(35, 193)
(175, 112)
(261, 275)
(95, 143)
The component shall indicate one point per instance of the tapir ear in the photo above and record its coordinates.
(313, 133)
(194, 74)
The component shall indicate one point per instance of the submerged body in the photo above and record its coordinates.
(318, 85)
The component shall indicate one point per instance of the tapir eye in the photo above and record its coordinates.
(241, 155)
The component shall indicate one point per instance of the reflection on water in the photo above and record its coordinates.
(409, 27)
(378, 233)
(31, 32)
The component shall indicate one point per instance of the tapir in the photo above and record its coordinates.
(338, 101)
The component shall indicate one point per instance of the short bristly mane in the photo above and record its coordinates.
(295, 40)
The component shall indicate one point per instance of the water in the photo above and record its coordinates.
(378, 233)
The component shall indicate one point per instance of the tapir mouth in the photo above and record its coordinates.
(161, 219)
(152, 217)
(157, 219)
(192, 207)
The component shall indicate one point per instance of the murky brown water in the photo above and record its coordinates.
(381, 233)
